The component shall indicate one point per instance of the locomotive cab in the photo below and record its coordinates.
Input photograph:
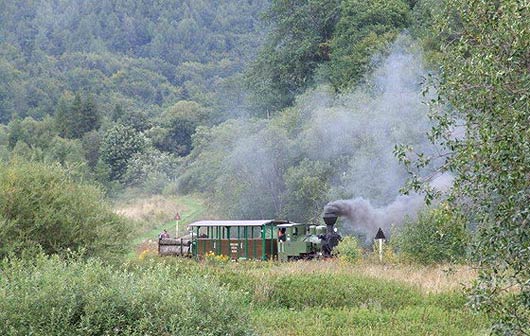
(293, 242)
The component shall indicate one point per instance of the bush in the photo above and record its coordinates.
(348, 250)
(335, 291)
(409, 321)
(438, 235)
(54, 296)
(41, 207)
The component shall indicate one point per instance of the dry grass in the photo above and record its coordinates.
(428, 279)
(153, 208)
(148, 215)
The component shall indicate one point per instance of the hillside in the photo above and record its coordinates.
(143, 56)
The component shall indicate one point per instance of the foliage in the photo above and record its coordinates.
(177, 125)
(313, 41)
(56, 296)
(348, 250)
(296, 45)
(324, 146)
(118, 146)
(135, 119)
(306, 185)
(123, 53)
(483, 93)
(150, 170)
(438, 235)
(364, 29)
(38, 141)
(241, 165)
(41, 207)
(32, 132)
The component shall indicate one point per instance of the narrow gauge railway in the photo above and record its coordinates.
(255, 240)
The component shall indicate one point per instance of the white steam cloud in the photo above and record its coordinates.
(355, 132)
(367, 124)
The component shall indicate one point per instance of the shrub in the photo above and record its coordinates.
(53, 296)
(333, 290)
(41, 207)
(213, 259)
(438, 235)
(348, 250)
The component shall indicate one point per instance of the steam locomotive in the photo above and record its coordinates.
(256, 240)
(302, 241)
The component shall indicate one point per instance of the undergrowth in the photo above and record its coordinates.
(175, 296)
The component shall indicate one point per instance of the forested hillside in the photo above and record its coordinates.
(116, 90)
(102, 86)
(141, 55)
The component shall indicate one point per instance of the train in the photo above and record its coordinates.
(255, 240)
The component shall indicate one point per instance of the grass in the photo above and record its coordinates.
(152, 214)
(155, 295)
(415, 320)
(334, 298)
(318, 297)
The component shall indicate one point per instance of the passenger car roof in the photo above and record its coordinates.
(259, 222)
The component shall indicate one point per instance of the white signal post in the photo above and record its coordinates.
(379, 237)
(380, 250)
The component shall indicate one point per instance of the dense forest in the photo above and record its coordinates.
(272, 109)
(142, 95)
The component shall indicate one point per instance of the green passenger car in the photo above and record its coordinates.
(237, 239)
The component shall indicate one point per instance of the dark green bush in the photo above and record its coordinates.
(349, 250)
(53, 296)
(41, 207)
(438, 235)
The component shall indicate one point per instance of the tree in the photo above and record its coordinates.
(36, 134)
(297, 44)
(41, 207)
(364, 28)
(89, 118)
(119, 144)
(307, 185)
(484, 90)
(75, 119)
(177, 125)
(62, 117)
(438, 235)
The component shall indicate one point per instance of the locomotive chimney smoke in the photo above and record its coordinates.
(361, 217)
(355, 132)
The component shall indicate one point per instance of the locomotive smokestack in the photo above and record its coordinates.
(330, 218)
(331, 238)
